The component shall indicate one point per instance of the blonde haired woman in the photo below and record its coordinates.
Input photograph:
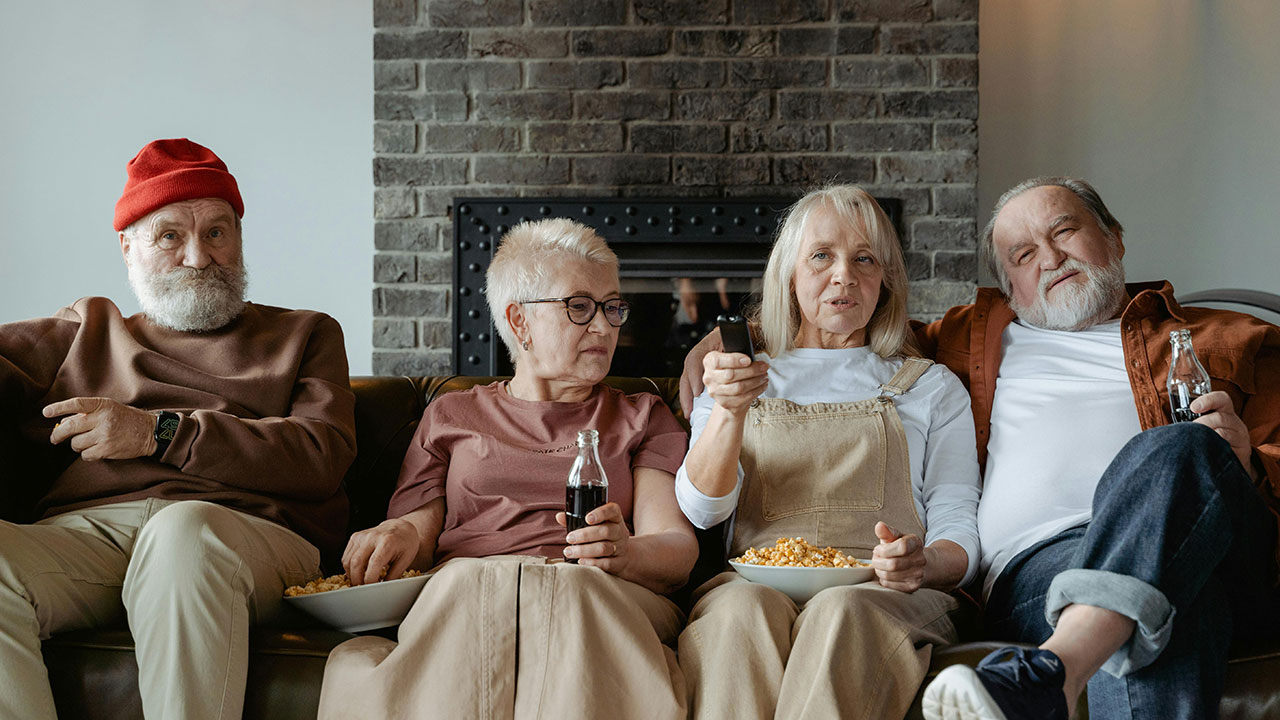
(846, 438)
(500, 631)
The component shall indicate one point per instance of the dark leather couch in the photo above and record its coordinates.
(94, 674)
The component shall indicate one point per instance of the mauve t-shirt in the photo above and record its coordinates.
(501, 463)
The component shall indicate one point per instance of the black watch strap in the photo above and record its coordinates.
(166, 430)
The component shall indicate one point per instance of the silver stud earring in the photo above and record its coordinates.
(525, 344)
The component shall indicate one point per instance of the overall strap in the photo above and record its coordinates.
(907, 375)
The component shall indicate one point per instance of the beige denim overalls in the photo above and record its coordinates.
(826, 472)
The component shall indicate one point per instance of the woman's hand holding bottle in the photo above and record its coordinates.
(603, 543)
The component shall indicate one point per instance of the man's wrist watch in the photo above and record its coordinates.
(166, 430)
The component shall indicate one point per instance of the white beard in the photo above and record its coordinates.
(190, 299)
(1077, 305)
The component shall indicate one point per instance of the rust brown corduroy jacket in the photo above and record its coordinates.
(1241, 353)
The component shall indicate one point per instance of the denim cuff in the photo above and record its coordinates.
(1123, 594)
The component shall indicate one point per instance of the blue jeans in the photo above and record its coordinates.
(1181, 542)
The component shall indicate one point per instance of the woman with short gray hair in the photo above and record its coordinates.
(503, 628)
(526, 264)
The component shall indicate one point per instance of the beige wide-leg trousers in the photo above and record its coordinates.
(857, 652)
(516, 637)
(190, 577)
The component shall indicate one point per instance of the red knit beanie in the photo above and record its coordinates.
(169, 171)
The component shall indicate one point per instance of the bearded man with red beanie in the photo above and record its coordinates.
(195, 452)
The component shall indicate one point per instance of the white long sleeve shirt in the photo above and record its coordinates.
(935, 416)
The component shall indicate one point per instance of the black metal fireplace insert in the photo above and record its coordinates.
(682, 262)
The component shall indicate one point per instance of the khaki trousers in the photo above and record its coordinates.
(189, 577)
(857, 652)
(516, 637)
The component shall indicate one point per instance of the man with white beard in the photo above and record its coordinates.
(195, 453)
(1110, 538)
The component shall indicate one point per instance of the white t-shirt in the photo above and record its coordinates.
(1063, 408)
(935, 417)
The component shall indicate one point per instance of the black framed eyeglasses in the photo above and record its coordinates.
(581, 309)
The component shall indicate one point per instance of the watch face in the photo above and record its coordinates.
(167, 427)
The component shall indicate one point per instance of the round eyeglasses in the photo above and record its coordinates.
(581, 309)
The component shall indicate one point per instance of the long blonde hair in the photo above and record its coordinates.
(778, 314)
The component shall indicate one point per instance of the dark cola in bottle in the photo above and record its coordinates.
(587, 487)
(1187, 377)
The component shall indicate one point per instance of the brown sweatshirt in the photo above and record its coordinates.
(267, 414)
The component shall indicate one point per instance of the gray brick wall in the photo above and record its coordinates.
(636, 97)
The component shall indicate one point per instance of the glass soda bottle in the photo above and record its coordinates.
(1187, 377)
(587, 487)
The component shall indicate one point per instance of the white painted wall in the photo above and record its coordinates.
(281, 89)
(1170, 107)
